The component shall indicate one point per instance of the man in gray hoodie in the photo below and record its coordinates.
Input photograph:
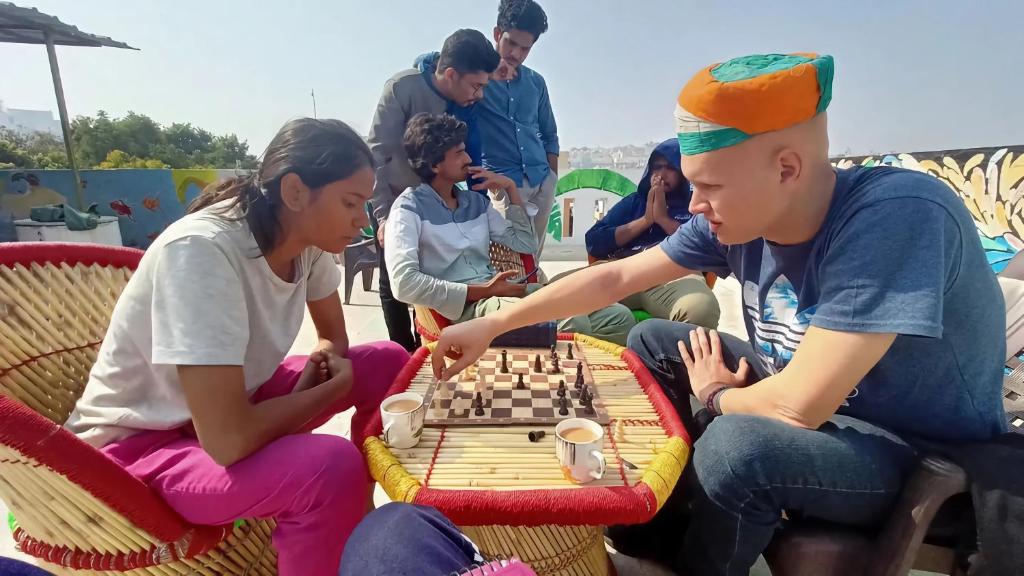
(451, 82)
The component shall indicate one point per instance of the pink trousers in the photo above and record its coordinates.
(315, 485)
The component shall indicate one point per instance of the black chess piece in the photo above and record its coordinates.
(555, 368)
(588, 409)
(568, 354)
(563, 406)
(479, 411)
(520, 385)
(579, 369)
(554, 350)
(561, 388)
(504, 362)
(537, 366)
(579, 380)
(478, 402)
(585, 396)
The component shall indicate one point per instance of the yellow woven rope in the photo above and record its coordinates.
(665, 469)
(600, 344)
(389, 472)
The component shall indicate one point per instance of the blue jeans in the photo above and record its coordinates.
(406, 540)
(746, 470)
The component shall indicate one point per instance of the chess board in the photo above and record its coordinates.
(451, 403)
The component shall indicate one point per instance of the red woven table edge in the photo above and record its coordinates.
(586, 506)
(27, 253)
(662, 405)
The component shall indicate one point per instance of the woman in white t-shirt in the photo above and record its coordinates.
(192, 392)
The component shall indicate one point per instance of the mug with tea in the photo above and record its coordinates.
(402, 416)
(578, 444)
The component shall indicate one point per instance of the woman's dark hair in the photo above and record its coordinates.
(428, 137)
(317, 151)
(468, 51)
(524, 15)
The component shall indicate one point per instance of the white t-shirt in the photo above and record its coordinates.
(202, 295)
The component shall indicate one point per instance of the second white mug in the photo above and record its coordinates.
(579, 443)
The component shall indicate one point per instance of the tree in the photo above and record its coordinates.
(120, 159)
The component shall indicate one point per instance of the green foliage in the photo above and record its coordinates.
(134, 141)
(119, 159)
(35, 150)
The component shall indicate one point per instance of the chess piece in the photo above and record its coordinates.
(555, 368)
(478, 402)
(479, 411)
(536, 435)
(563, 406)
(579, 369)
(568, 354)
(561, 388)
(588, 409)
(554, 350)
(520, 385)
(585, 397)
(579, 379)
(537, 366)
(504, 361)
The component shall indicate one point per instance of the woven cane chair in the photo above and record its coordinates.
(429, 323)
(74, 509)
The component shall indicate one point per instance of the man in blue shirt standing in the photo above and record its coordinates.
(874, 320)
(517, 126)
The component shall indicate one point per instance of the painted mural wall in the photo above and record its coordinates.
(146, 201)
(990, 181)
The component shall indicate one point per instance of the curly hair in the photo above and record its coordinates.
(524, 15)
(428, 137)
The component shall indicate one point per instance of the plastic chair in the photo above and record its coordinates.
(359, 257)
(75, 509)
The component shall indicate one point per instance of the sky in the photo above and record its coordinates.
(910, 75)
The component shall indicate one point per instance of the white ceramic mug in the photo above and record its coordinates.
(582, 460)
(403, 428)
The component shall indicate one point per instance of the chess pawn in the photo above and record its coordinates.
(568, 354)
(563, 406)
(520, 385)
(537, 366)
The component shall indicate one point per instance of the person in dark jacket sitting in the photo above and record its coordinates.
(642, 220)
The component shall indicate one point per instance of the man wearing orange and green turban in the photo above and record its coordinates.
(872, 316)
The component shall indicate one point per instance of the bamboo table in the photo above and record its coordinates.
(509, 495)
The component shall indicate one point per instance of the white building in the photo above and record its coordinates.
(29, 120)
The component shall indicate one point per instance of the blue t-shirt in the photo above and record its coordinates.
(898, 253)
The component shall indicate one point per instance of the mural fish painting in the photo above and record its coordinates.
(121, 208)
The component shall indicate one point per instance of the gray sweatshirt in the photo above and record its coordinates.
(406, 94)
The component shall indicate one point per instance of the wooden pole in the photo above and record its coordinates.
(62, 108)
